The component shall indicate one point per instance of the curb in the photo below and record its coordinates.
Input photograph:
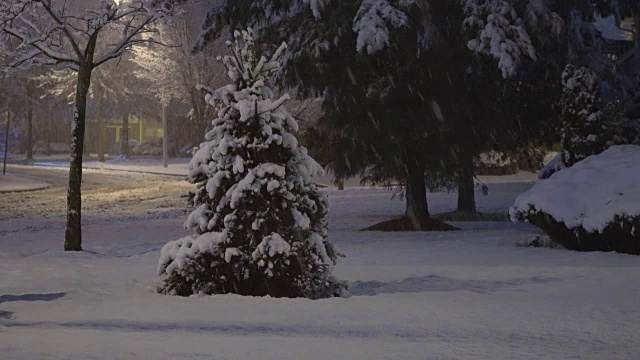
(43, 186)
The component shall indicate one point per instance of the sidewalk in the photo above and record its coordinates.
(149, 165)
(177, 166)
(16, 183)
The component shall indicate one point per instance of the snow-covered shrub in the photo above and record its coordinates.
(258, 220)
(590, 124)
(593, 205)
(150, 147)
(495, 163)
(53, 148)
(552, 167)
(529, 158)
(540, 241)
(117, 147)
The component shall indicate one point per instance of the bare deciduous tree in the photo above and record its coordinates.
(173, 72)
(67, 33)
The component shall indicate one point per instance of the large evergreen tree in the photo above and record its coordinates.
(360, 56)
(479, 60)
(600, 96)
(258, 220)
(417, 89)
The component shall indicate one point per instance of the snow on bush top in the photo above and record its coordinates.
(591, 194)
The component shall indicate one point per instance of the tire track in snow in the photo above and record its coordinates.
(516, 338)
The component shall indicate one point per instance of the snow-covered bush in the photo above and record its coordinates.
(552, 167)
(590, 124)
(258, 220)
(495, 163)
(151, 147)
(540, 241)
(492, 162)
(53, 148)
(593, 205)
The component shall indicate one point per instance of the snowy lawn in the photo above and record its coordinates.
(470, 294)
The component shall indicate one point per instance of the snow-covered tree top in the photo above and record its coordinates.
(372, 23)
(249, 75)
(247, 68)
(579, 79)
(539, 16)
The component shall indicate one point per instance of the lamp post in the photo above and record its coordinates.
(165, 138)
(6, 145)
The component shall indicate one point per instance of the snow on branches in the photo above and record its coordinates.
(590, 123)
(372, 22)
(258, 219)
(539, 16)
(498, 32)
(54, 32)
(317, 6)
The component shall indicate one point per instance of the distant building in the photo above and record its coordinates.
(141, 130)
(619, 40)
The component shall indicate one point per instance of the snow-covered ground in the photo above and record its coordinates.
(469, 294)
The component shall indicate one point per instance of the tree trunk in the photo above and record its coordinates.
(466, 187)
(30, 122)
(6, 145)
(85, 150)
(48, 140)
(165, 138)
(417, 210)
(30, 133)
(636, 22)
(101, 127)
(124, 151)
(73, 235)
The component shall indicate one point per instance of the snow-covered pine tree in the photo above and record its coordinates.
(590, 124)
(259, 221)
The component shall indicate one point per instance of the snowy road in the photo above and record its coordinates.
(470, 294)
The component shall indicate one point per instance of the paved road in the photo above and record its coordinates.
(11, 182)
(103, 192)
